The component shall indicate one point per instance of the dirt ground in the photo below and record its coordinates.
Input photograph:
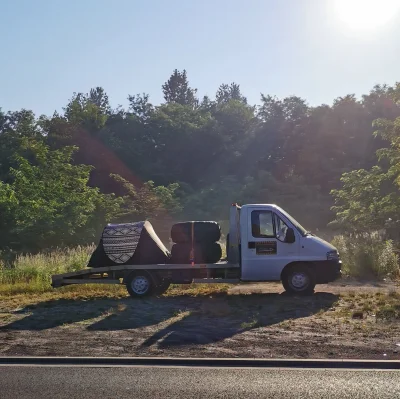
(256, 320)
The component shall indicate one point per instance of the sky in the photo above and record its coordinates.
(316, 49)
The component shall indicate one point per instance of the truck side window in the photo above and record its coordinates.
(281, 228)
(262, 224)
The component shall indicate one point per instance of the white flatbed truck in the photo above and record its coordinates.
(264, 244)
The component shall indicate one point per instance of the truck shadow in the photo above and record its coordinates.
(173, 321)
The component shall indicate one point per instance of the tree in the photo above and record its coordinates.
(370, 200)
(88, 111)
(360, 205)
(14, 128)
(188, 159)
(280, 133)
(227, 92)
(140, 106)
(177, 90)
(99, 97)
(149, 201)
(182, 143)
(49, 201)
(21, 123)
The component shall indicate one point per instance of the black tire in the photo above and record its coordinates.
(140, 284)
(203, 232)
(162, 287)
(203, 253)
(299, 280)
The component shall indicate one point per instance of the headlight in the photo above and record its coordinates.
(332, 255)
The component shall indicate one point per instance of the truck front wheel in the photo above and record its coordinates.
(299, 280)
(139, 284)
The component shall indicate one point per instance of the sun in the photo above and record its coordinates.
(366, 14)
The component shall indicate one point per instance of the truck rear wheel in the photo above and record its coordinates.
(139, 284)
(162, 287)
(299, 280)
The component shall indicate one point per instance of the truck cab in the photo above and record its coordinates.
(271, 245)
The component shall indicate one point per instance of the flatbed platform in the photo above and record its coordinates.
(114, 274)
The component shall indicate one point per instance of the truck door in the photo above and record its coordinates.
(266, 253)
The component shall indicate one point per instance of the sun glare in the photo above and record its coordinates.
(366, 14)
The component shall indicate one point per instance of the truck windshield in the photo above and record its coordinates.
(294, 222)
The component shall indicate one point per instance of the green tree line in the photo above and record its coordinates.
(62, 177)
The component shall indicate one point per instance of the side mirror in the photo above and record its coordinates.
(290, 237)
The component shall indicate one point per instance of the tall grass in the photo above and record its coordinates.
(367, 255)
(32, 273)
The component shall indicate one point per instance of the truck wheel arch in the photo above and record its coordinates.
(130, 273)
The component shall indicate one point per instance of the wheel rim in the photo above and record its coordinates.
(299, 281)
(140, 285)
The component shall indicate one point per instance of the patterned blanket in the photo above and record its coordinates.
(120, 240)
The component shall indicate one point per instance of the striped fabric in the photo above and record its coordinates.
(120, 240)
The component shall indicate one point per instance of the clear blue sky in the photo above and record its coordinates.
(51, 48)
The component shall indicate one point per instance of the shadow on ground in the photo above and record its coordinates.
(220, 318)
(180, 320)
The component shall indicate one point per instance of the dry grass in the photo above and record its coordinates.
(379, 305)
(197, 289)
(29, 278)
(28, 282)
(32, 273)
(81, 292)
(22, 294)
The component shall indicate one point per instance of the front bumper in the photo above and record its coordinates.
(327, 271)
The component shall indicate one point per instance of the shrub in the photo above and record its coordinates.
(367, 255)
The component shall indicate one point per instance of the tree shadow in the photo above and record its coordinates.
(55, 313)
(219, 319)
(179, 320)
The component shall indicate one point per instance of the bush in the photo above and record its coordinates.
(367, 255)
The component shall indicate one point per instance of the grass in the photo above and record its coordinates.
(197, 289)
(250, 324)
(30, 275)
(382, 306)
(15, 296)
(28, 281)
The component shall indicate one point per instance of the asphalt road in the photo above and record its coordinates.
(193, 382)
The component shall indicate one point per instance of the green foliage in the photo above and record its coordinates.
(367, 255)
(32, 272)
(361, 204)
(230, 92)
(302, 201)
(89, 111)
(370, 199)
(63, 177)
(41, 266)
(148, 201)
(177, 89)
(49, 201)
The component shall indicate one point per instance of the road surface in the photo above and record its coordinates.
(193, 382)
